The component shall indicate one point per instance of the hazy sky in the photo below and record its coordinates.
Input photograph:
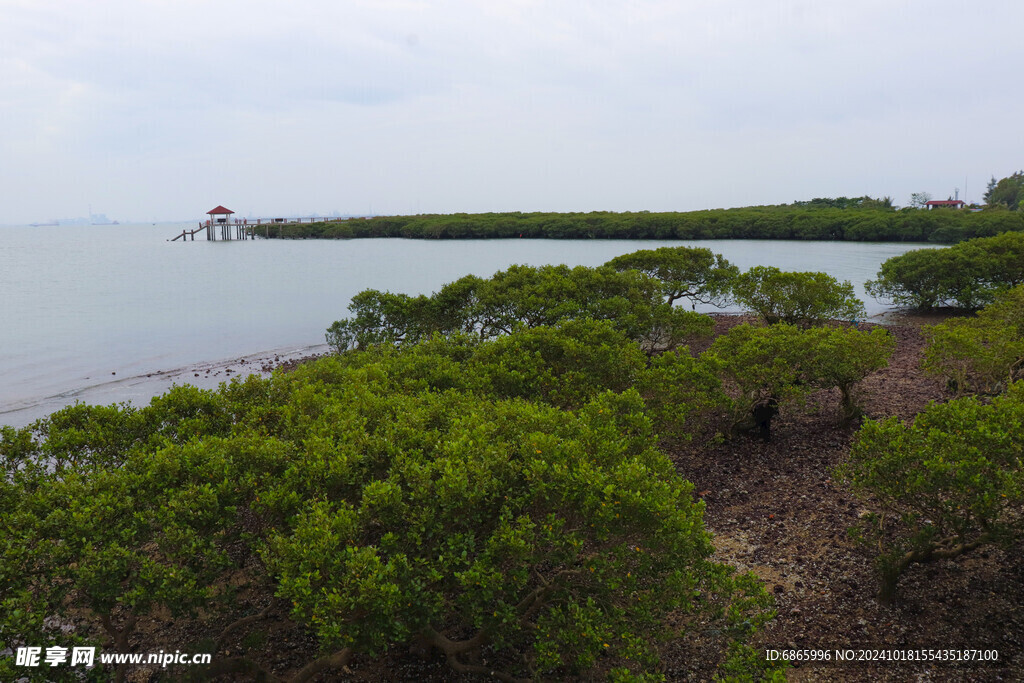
(162, 109)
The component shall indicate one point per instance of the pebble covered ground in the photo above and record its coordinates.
(775, 510)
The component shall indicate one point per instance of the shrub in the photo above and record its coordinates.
(967, 275)
(380, 318)
(768, 365)
(518, 297)
(930, 278)
(105, 547)
(796, 298)
(983, 353)
(781, 364)
(683, 394)
(385, 512)
(843, 356)
(565, 365)
(565, 538)
(693, 273)
(945, 485)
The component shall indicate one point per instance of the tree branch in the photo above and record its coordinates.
(332, 661)
(241, 623)
(237, 665)
(455, 647)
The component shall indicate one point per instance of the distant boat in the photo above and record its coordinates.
(43, 225)
(100, 219)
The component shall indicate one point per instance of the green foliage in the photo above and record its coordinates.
(683, 394)
(108, 541)
(983, 353)
(841, 357)
(521, 297)
(1007, 192)
(967, 275)
(380, 318)
(434, 493)
(927, 278)
(693, 273)
(796, 298)
(778, 365)
(858, 219)
(945, 485)
(534, 530)
(564, 366)
(864, 202)
(767, 365)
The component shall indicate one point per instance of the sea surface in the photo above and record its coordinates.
(107, 314)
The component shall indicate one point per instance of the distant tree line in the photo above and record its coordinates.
(817, 219)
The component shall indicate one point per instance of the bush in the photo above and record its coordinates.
(105, 546)
(566, 539)
(683, 394)
(380, 318)
(768, 365)
(565, 365)
(366, 505)
(841, 357)
(521, 297)
(981, 354)
(796, 298)
(945, 485)
(967, 275)
(693, 273)
(781, 364)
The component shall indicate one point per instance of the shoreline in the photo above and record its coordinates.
(140, 388)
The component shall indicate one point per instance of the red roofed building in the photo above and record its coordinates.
(220, 214)
(945, 203)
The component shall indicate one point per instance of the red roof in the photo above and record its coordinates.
(944, 202)
(219, 210)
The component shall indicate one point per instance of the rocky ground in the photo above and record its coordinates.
(775, 510)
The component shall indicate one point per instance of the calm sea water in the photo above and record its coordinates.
(107, 314)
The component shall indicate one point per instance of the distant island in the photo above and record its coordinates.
(92, 219)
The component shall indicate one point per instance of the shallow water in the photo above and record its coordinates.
(113, 313)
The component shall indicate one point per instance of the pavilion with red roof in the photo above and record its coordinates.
(945, 203)
(220, 214)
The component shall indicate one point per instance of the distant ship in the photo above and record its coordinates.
(43, 225)
(100, 219)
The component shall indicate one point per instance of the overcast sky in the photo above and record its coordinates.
(162, 109)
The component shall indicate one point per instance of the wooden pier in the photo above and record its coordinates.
(222, 232)
(221, 227)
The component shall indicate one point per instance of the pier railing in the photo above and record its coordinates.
(246, 228)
